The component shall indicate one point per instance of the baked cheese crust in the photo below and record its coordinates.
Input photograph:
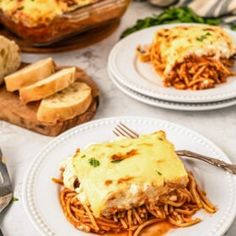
(180, 42)
(37, 12)
(125, 173)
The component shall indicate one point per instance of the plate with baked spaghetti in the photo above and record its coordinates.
(179, 106)
(90, 182)
(178, 62)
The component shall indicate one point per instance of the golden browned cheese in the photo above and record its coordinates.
(32, 13)
(177, 43)
(125, 173)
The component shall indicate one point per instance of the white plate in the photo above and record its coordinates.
(172, 105)
(142, 78)
(40, 195)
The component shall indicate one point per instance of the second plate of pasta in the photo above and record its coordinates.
(200, 77)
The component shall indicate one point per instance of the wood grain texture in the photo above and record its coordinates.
(15, 112)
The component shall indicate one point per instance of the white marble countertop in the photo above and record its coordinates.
(20, 146)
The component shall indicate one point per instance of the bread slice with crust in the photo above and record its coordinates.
(30, 74)
(10, 58)
(47, 87)
(66, 104)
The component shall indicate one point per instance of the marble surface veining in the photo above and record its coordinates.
(20, 146)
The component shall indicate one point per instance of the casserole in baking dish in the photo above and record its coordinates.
(45, 22)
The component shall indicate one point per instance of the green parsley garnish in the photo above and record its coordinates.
(158, 172)
(15, 199)
(171, 15)
(202, 37)
(233, 27)
(83, 156)
(94, 162)
(116, 161)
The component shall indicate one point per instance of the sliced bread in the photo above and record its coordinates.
(47, 87)
(10, 58)
(30, 74)
(66, 104)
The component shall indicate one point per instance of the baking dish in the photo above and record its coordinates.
(64, 25)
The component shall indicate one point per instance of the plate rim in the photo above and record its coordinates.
(181, 106)
(191, 98)
(42, 227)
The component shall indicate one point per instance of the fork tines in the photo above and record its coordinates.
(123, 130)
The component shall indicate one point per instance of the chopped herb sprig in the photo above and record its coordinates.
(171, 15)
(203, 37)
(15, 199)
(116, 161)
(158, 172)
(94, 162)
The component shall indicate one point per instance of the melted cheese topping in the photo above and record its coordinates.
(125, 172)
(35, 12)
(180, 42)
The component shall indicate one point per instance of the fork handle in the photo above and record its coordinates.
(1, 234)
(4, 176)
(0, 161)
(215, 162)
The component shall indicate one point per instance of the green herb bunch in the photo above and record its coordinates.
(171, 15)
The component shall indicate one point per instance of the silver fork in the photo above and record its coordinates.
(123, 130)
(6, 192)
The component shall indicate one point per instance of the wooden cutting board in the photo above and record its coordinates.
(13, 111)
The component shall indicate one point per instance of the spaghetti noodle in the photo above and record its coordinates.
(177, 207)
(196, 58)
